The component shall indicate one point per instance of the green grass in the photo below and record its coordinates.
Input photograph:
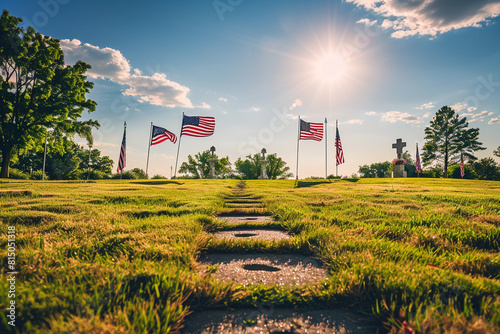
(120, 256)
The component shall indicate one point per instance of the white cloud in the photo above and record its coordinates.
(430, 17)
(367, 22)
(395, 116)
(110, 64)
(427, 114)
(459, 106)
(204, 105)
(428, 105)
(482, 114)
(471, 109)
(255, 109)
(495, 120)
(223, 99)
(370, 113)
(354, 121)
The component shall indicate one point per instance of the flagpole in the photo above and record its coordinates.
(44, 158)
(336, 149)
(298, 140)
(178, 147)
(149, 148)
(124, 129)
(326, 150)
(418, 173)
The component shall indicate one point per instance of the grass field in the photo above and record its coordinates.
(120, 256)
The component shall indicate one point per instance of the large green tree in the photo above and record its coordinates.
(447, 137)
(199, 167)
(37, 90)
(251, 167)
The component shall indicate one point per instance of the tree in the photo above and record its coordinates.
(497, 152)
(251, 167)
(199, 167)
(379, 169)
(447, 138)
(37, 90)
(487, 169)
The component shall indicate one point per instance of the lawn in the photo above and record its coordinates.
(120, 256)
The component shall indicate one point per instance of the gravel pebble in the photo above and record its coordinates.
(242, 234)
(268, 319)
(283, 269)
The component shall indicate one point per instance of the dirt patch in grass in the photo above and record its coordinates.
(236, 219)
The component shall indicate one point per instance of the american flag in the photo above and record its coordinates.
(123, 151)
(340, 152)
(418, 165)
(198, 126)
(312, 131)
(462, 172)
(159, 135)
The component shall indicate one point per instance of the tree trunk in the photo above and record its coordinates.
(446, 159)
(6, 153)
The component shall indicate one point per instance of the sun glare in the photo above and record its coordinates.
(330, 68)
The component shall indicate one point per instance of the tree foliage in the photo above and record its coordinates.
(487, 169)
(37, 90)
(447, 137)
(199, 166)
(497, 152)
(378, 169)
(65, 160)
(251, 167)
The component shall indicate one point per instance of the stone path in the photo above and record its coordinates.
(261, 234)
(281, 269)
(267, 319)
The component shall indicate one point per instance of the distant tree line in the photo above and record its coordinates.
(448, 140)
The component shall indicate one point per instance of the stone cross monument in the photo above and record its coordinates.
(264, 163)
(399, 167)
(212, 162)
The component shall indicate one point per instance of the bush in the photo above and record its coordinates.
(17, 174)
(454, 172)
(159, 177)
(37, 175)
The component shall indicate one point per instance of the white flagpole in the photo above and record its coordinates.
(298, 140)
(149, 148)
(326, 149)
(178, 147)
(44, 158)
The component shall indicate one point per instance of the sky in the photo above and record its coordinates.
(382, 68)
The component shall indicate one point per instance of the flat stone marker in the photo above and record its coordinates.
(259, 234)
(282, 269)
(268, 319)
(245, 219)
(244, 204)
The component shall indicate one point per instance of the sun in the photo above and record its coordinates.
(330, 68)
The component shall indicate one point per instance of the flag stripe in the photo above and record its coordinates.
(418, 165)
(311, 131)
(340, 151)
(159, 135)
(198, 126)
(123, 152)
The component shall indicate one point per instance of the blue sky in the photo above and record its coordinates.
(382, 68)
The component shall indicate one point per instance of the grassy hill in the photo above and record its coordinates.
(120, 256)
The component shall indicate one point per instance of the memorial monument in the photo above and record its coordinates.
(399, 163)
(212, 162)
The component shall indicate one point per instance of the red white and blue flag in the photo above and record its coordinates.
(198, 126)
(159, 135)
(418, 165)
(462, 172)
(340, 151)
(311, 131)
(122, 161)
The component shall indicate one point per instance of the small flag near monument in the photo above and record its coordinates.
(340, 151)
(311, 131)
(159, 135)
(462, 172)
(198, 126)
(123, 150)
(418, 165)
